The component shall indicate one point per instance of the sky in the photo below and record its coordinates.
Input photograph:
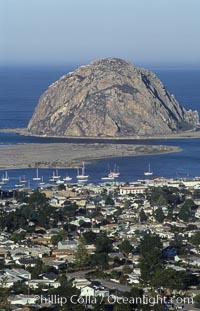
(48, 32)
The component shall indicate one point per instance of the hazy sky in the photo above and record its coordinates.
(78, 31)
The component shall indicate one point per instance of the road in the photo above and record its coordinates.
(79, 274)
(108, 284)
(113, 285)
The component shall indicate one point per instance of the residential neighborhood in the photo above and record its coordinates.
(94, 246)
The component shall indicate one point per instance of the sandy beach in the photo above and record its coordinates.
(70, 154)
(180, 135)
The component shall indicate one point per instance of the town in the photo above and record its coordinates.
(109, 246)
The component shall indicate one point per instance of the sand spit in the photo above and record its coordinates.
(70, 154)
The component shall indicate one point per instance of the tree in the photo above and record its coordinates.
(20, 288)
(4, 293)
(67, 290)
(17, 237)
(157, 196)
(81, 255)
(127, 204)
(109, 201)
(103, 247)
(195, 239)
(89, 237)
(168, 278)
(99, 260)
(159, 215)
(126, 247)
(162, 201)
(38, 269)
(142, 216)
(184, 213)
(190, 204)
(191, 227)
(170, 215)
(150, 242)
(38, 199)
(84, 224)
(103, 243)
(197, 301)
(137, 294)
(151, 257)
(196, 194)
(122, 307)
(135, 297)
(99, 305)
(150, 263)
(56, 238)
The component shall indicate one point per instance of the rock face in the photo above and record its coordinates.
(109, 97)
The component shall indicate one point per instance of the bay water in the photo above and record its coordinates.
(21, 87)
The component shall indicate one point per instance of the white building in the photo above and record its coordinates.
(131, 190)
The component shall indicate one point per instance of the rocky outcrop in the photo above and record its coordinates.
(109, 97)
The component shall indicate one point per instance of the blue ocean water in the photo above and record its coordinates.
(20, 89)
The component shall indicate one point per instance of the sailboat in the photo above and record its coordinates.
(5, 177)
(109, 177)
(67, 178)
(42, 182)
(2, 182)
(23, 180)
(37, 176)
(115, 173)
(20, 184)
(149, 172)
(54, 176)
(60, 182)
(82, 176)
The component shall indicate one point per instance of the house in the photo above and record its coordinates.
(57, 264)
(27, 262)
(89, 288)
(94, 291)
(132, 190)
(42, 283)
(9, 281)
(193, 260)
(22, 299)
(67, 245)
(80, 282)
(176, 268)
(62, 253)
(3, 253)
(23, 274)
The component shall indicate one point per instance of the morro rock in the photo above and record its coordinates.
(109, 97)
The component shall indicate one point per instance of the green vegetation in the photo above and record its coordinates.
(81, 255)
(195, 239)
(58, 237)
(125, 247)
(151, 257)
(159, 215)
(109, 201)
(142, 216)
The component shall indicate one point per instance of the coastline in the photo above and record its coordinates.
(181, 135)
(71, 155)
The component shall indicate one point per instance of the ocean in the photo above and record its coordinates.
(21, 87)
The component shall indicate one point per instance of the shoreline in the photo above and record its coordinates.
(71, 155)
(181, 135)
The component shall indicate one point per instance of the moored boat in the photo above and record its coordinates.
(82, 175)
(149, 172)
(37, 176)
